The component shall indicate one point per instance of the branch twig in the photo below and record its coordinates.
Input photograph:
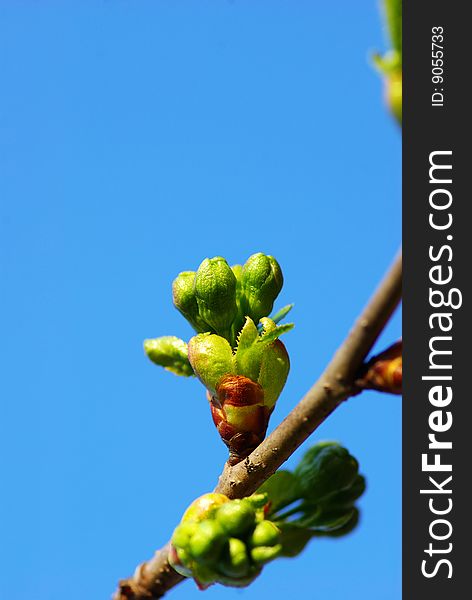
(154, 578)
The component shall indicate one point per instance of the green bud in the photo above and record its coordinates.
(182, 534)
(207, 542)
(235, 561)
(266, 533)
(215, 289)
(326, 468)
(236, 517)
(257, 500)
(211, 358)
(171, 353)
(185, 300)
(264, 554)
(261, 283)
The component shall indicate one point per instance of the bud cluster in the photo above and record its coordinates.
(317, 499)
(329, 484)
(217, 298)
(224, 541)
(243, 386)
(229, 541)
(236, 353)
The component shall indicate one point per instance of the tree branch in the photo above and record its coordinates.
(154, 578)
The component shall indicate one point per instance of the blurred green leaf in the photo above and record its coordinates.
(348, 496)
(293, 539)
(328, 518)
(282, 489)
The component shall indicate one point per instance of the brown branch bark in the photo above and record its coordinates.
(154, 578)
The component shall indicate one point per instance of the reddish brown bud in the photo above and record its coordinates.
(239, 414)
(384, 371)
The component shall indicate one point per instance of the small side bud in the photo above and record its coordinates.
(215, 290)
(384, 371)
(261, 282)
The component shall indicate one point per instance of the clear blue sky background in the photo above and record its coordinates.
(137, 138)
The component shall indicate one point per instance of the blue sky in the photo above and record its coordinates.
(137, 138)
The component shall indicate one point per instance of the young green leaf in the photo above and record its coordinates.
(282, 313)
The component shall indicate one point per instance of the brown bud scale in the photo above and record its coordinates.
(239, 414)
(384, 371)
